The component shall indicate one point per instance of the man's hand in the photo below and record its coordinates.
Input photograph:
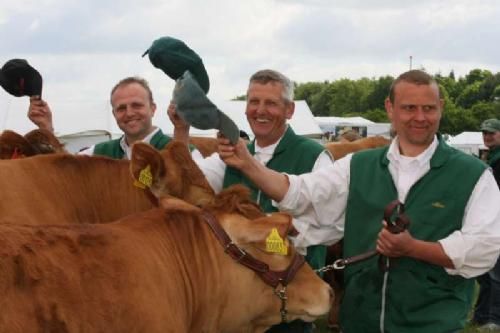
(394, 245)
(236, 156)
(181, 128)
(39, 113)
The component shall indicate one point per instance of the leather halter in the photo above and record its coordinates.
(151, 197)
(270, 277)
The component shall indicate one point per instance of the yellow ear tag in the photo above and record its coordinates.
(145, 178)
(275, 244)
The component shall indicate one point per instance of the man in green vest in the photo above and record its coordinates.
(269, 105)
(450, 198)
(133, 108)
(487, 311)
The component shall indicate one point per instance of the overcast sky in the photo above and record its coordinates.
(82, 48)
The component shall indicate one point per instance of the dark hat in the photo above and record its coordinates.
(193, 105)
(174, 57)
(491, 125)
(18, 78)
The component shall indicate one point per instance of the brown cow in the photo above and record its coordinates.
(206, 146)
(340, 149)
(38, 141)
(156, 271)
(85, 189)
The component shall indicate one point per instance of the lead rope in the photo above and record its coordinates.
(282, 296)
(397, 221)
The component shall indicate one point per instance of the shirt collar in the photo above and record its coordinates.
(424, 158)
(126, 148)
(269, 149)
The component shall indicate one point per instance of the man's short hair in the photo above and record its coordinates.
(133, 79)
(268, 75)
(414, 76)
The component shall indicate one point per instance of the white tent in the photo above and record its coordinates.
(76, 141)
(468, 142)
(331, 124)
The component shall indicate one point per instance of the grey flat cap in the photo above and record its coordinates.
(193, 105)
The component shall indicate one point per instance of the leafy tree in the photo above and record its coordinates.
(376, 115)
(470, 95)
(379, 93)
(306, 91)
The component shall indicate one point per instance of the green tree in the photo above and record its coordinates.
(379, 92)
(470, 95)
(306, 91)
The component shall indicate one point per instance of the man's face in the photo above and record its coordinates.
(133, 111)
(491, 139)
(415, 115)
(267, 112)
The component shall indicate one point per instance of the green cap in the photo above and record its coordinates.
(174, 57)
(491, 125)
(193, 105)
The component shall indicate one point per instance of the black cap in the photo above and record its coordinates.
(18, 78)
(174, 57)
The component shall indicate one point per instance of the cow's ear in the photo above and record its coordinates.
(44, 141)
(14, 145)
(146, 165)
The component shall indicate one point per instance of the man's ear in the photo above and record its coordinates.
(388, 108)
(146, 165)
(290, 109)
(153, 108)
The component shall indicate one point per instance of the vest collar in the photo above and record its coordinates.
(440, 156)
(150, 138)
(493, 155)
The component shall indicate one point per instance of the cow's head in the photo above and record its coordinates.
(264, 237)
(170, 172)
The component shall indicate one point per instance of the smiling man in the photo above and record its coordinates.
(450, 199)
(269, 105)
(133, 109)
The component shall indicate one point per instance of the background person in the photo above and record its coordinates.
(487, 310)
(453, 236)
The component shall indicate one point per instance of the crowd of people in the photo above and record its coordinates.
(423, 279)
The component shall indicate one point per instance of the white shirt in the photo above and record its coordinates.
(128, 150)
(214, 168)
(319, 199)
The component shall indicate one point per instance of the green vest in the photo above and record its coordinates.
(113, 149)
(419, 297)
(293, 155)
(493, 156)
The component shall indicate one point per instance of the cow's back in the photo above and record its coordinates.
(61, 187)
(136, 275)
